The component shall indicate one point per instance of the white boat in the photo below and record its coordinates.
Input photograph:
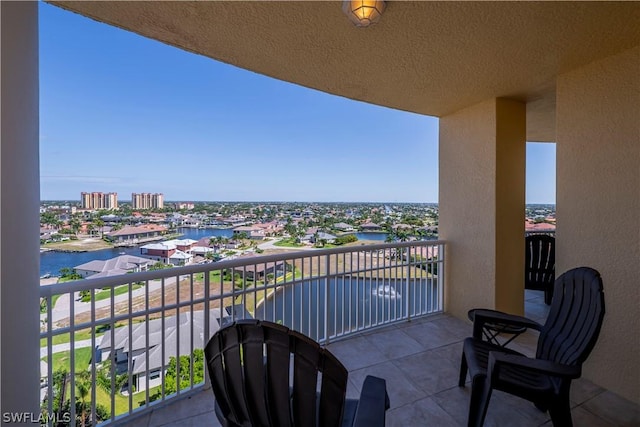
(386, 291)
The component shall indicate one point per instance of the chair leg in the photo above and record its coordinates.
(463, 371)
(480, 396)
(547, 296)
(560, 412)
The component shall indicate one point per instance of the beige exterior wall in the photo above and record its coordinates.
(481, 202)
(19, 218)
(598, 202)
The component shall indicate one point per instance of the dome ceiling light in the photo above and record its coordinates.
(363, 12)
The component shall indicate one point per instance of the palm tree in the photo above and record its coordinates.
(402, 235)
(215, 242)
(99, 223)
(103, 378)
(48, 218)
(75, 225)
(83, 386)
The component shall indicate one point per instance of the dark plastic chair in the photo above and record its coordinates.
(565, 341)
(264, 374)
(540, 264)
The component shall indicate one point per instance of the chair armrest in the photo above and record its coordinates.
(547, 367)
(374, 401)
(482, 317)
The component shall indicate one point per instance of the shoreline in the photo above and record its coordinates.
(93, 244)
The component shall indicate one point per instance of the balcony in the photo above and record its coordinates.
(581, 96)
(128, 330)
(377, 307)
(420, 361)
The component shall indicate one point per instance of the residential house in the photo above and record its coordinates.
(254, 232)
(370, 226)
(260, 270)
(343, 227)
(270, 228)
(202, 251)
(166, 253)
(308, 234)
(314, 234)
(136, 233)
(321, 235)
(184, 245)
(122, 264)
(145, 352)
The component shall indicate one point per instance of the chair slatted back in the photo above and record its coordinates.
(575, 317)
(540, 261)
(250, 363)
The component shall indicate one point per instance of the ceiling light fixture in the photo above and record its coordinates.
(363, 12)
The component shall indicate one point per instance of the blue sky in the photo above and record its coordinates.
(122, 113)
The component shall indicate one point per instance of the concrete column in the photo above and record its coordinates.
(19, 218)
(598, 198)
(481, 203)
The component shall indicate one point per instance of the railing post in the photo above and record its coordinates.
(326, 298)
(441, 268)
(408, 299)
(207, 316)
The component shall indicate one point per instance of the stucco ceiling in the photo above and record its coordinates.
(431, 58)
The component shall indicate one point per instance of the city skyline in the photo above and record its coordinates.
(119, 111)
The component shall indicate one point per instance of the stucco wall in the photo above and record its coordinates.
(481, 202)
(598, 202)
(19, 292)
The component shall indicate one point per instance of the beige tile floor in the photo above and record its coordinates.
(420, 361)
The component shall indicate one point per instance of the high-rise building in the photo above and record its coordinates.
(98, 200)
(147, 200)
(111, 201)
(85, 200)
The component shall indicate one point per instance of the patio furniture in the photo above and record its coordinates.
(491, 330)
(264, 374)
(540, 264)
(565, 341)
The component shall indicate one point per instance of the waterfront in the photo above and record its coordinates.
(52, 261)
(353, 303)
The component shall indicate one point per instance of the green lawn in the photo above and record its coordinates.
(121, 402)
(288, 243)
(85, 334)
(212, 275)
(62, 359)
(291, 274)
(106, 293)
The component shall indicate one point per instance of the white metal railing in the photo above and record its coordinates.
(126, 331)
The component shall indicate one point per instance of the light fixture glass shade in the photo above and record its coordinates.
(363, 12)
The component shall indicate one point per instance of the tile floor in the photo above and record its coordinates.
(420, 362)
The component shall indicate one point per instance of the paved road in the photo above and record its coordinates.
(62, 308)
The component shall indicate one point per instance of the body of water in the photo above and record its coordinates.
(363, 303)
(51, 262)
(372, 236)
(199, 233)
